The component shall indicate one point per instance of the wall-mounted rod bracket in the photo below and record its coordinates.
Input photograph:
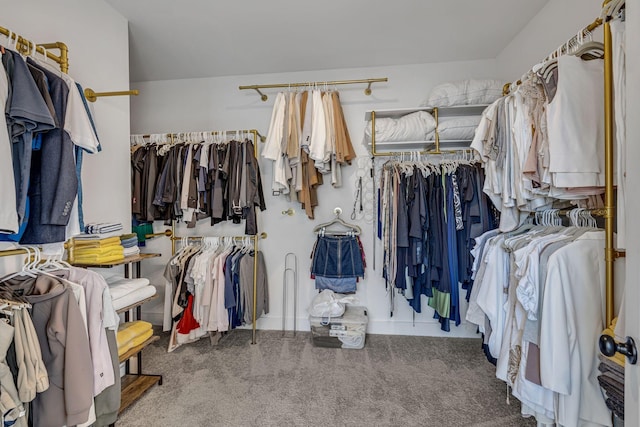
(167, 233)
(262, 137)
(263, 96)
(367, 91)
(93, 96)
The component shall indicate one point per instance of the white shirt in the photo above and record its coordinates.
(574, 124)
(76, 122)
(76, 119)
(618, 42)
(8, 213)
(94, 285)
(187, 212)
(273, 144)
(318, 128)
(491, 297)
(572, 320)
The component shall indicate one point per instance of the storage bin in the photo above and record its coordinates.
(347, 331)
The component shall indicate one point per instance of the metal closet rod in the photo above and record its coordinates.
(262, 235)
(425, 153)
(12, 252)
(215, 132)
(24, 46)
(171, 234)
(264, 97)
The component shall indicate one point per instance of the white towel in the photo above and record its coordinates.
(133, 297)
(119, 286)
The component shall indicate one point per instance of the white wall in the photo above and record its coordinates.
(217, 104)
(558, 21)
(97, 38)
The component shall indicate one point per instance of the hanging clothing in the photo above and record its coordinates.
(210, 288)
(9, 221)
(618, 31)
(49, 126)
(10, 402)
(245, 276)
(528, 285)
(65, 352)
(544, 142)
(59, 343)
(429, 216)
(307, 138)
(575, 126)
(194, 181)
(337, 262)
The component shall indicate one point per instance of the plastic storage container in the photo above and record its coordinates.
(347, 331)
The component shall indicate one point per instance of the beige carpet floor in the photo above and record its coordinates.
(286, 381)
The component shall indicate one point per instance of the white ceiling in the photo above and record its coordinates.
(172, 39)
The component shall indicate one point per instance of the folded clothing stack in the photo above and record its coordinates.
(132, 334)
(126, 292)
(130, 244)
(102, 227)
(611, 377)
(96, 251)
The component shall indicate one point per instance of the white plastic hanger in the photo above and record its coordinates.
(352, 229)
(25, 270)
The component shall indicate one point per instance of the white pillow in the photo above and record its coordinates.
(410, 127)
(464, 92)
(456, 128)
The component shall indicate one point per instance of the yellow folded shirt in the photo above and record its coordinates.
(131, 334)
(129, 330)
(97, 243)
(97, 259)
(122, 349)
(105, 250)
(134, 342)
(141, 338)
(95, 256)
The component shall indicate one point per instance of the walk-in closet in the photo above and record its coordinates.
(301, 213)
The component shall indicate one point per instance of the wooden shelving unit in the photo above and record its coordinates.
(134, 384)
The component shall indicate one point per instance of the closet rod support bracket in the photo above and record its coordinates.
(263, 96)
(367, 91)
(262, 137)
(93, 96)
(167, 233)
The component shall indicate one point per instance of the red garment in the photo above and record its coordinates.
(187, 323)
